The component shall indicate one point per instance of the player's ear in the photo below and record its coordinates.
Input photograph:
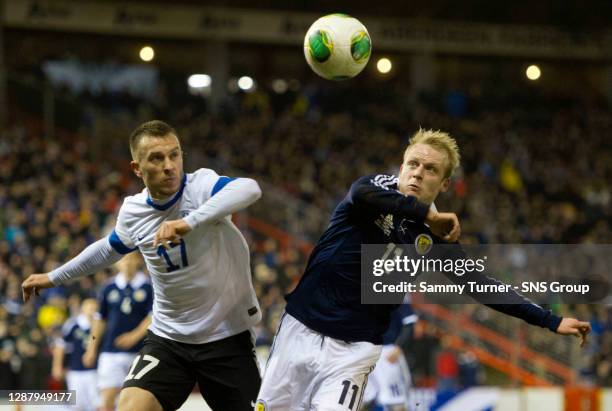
(136, 168)
(445, 184)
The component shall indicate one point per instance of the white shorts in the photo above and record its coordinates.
(113, 367)
(388, 384)
(84, 383)
(309, 371)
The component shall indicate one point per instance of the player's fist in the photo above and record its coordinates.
(444, 225)
(394, 354)
(572, 326)
(170, 232)
(89, 358)
(33, 284)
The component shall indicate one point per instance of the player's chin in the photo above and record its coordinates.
(168, 190)
(413, 193)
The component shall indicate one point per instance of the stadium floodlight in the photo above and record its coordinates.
(279, 86)
(384, 65)
(147, 53)
(533, 72)
(199, 81)
(246, 83)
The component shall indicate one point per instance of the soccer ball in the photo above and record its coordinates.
(337, 46)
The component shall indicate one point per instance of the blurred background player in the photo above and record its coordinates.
(388, 383)
(204, 302)
(119, 327)
(68, 358)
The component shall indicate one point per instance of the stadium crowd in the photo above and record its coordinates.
(533, 171)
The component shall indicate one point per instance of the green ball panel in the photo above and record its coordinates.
(361, 46)
(320, 46)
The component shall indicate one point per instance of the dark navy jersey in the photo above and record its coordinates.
(402, 317)
(328, 297)
(75, 336)
(123, 306)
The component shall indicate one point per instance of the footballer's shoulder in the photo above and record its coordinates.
(202, 172)
(202, 176)
(135, 201)
(379, 179)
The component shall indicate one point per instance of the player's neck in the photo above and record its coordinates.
(158, 197)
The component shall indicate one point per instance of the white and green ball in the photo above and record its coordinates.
(337, 46)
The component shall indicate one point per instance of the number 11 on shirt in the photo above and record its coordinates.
(162, 252)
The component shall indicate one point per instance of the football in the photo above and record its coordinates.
(337, 46)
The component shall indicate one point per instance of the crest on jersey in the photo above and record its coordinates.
(423, 244)
(113, 296)
(260, 406)
(184, 213)
(140, 295)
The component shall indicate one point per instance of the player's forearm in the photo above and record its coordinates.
(95, 257)
(141, 330)
(531, 313)
(375, 198)
(98, 328)
(511, 302)
(235, 196)
(57, 361)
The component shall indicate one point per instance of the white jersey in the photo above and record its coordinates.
(203, 289)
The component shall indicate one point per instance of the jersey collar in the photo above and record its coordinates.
(83, 322)
(138, 280)
(170, 202)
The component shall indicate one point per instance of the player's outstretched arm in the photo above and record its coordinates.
(95, 257)
(514, 304)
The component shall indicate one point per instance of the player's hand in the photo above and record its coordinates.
(444, 225)
(572, 326)
(394, 355)
(126, 340)
(33, 284)
(89, 358)
(170, 232)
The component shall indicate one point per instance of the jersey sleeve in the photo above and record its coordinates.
(201, 184)
(221, 196)
(510, 303)
(103, 308)
(120, 238)
(373, 193)
(67, 333)
(407, 314)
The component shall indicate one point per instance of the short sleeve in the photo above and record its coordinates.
(103, 310)
(201, 184)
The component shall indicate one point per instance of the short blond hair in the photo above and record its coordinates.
(439, 140)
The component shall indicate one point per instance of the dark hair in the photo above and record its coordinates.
(153, 128)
